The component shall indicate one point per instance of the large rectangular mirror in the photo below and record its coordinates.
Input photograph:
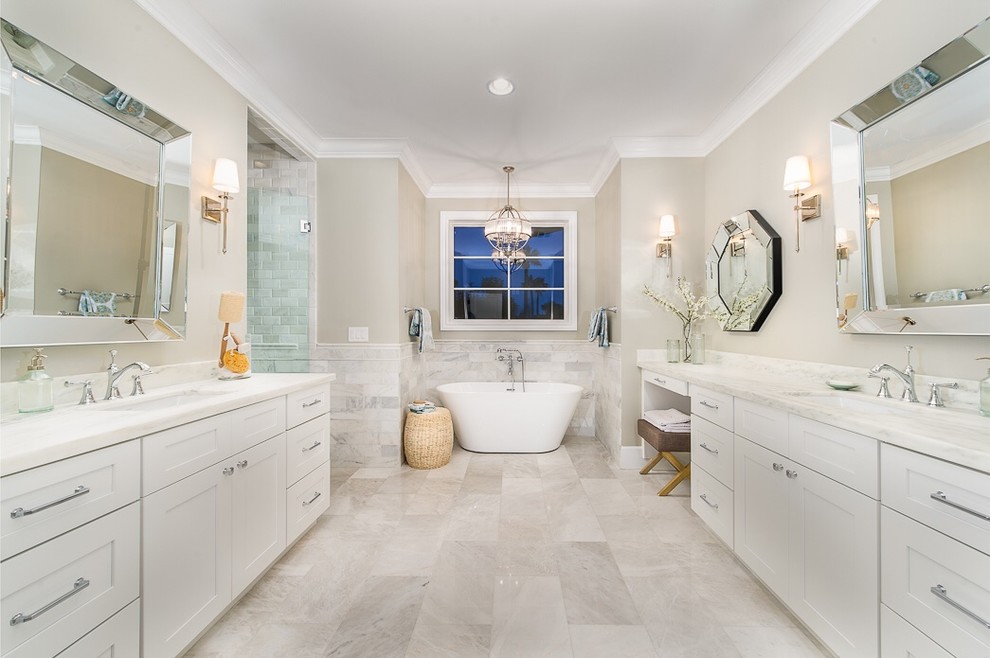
(911, 169)
(97, 206)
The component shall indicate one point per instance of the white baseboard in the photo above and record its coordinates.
(631, 457)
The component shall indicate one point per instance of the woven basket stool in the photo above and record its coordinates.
(428, 439)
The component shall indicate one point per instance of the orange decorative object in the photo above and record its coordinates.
(236, 362)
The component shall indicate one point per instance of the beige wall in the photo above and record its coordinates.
(649, 188)
(937, 225)
(86, 242)
(608, 258)
(358, 249)
(587, 297)
(412, 249)
(746, 171)
(161, 72)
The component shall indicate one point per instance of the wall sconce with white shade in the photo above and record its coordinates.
(797, 176)
(226, 182)
(841, 246)
(665, 247)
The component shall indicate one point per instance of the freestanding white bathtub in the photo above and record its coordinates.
(488, 418)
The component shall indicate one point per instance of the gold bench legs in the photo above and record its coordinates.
(683, 472)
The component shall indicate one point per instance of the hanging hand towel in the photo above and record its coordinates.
(949, 295)
(421, 326)
(598, 327)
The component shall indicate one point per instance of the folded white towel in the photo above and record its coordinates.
(669, 420)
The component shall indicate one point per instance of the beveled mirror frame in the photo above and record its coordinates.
(89, 89)
(856, 310)
(743, 238)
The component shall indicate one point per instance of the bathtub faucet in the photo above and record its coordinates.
(506, 355)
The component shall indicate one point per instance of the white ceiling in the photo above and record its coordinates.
(595, 81)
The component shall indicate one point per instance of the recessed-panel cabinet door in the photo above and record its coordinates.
(761, 508)
(834, 570)
(186, 570)
(257, 510)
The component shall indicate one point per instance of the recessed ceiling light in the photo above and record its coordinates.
(500, 87)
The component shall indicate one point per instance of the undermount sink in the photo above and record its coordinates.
(861, 404)
(178, 399)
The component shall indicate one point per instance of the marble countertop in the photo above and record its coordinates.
(958, 436)
(28, 441)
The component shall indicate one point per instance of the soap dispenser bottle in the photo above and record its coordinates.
(985, 391)
(35, 391)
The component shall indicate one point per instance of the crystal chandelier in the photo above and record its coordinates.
(508, 232)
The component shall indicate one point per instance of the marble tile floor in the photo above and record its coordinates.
(561, 554)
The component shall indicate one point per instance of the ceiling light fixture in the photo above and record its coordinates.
(508, 232)
(500, 87)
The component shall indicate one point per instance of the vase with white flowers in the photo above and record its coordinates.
(696, 309)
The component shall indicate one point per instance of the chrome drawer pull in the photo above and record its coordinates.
(778, 467)
(315, 402)
(940, 497)
(706, 403)
(791, 474)
(659, 381)
(313, 447)
(704, 497)
(943, 594)
(714, 451)
(228, 470)
(313, 499)
(81, 490)
(78, 586)
(242, 464)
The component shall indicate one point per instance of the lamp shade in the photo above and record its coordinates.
(797, 173)
(841, 236)
(225, 176)
(667, 227)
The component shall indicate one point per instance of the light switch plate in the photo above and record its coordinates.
(357, 334)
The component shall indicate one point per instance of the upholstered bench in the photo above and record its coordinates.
(665, 443)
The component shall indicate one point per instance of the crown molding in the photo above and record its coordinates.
(182, 21)
(833, 21)
(561, 191)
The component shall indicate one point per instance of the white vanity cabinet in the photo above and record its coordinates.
(307, 459)
(935, 540)
(712, 449)
(207, 536)
(811, 538)
(71, 549)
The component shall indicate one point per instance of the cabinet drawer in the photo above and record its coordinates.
(259, 422)
(89, 574)
(118, 636)
(846, 457)
(46, 501)
(665, 381)
(177, 453)
(761, 424)
(712, 501)
(307, 405)
(711, 449)
(305, 501)
(952, 499)
(716, 407)
(899, 639)
(307, 446)
(917, 565)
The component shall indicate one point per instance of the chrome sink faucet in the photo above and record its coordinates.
(505, 354)
(906, 377)
(114, 374)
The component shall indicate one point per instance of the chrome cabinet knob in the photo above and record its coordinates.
(778, 467)
(229, 470)
(242, 464)
(791, 474)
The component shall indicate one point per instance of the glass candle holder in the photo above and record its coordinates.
(673, 350)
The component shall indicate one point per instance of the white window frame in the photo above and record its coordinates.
(550, 218)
